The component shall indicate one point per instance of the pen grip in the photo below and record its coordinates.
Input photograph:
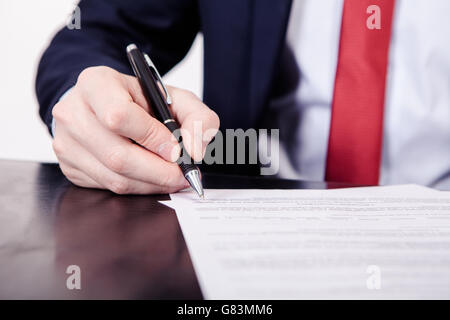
(184, 161)
(148, 79)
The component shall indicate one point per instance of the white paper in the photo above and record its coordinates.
(367, 243)
(379, 190)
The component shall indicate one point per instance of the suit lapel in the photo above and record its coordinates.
(269, 22)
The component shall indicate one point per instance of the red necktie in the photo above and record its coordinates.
(354, 147)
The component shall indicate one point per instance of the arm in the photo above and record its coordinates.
(164, 28)
(105, 111)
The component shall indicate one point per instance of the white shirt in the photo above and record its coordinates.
(416, 145)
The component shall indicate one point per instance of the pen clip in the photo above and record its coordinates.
(158, 78)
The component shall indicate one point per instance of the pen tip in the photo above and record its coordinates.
(193, 176)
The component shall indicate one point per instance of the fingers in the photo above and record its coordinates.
(120, 155)
(84, 170)
(120, 114)
(106, 109)
(199, 124)
(135, 90)
(131, 121)
(123, 110)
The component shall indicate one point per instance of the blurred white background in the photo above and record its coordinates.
(26, 28)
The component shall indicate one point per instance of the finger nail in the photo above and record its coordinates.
(169, 151)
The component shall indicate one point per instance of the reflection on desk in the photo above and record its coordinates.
(125, 246)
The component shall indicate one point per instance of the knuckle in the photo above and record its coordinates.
(214, 119)
(93, 74)
(94, 71)
(150, 134)
(189, 95)
(165, 180)
(170, 180)
(120, 186)
(59, 112)
(57, 146)
(86, 74)
(115, 118)
(116, 160)
(183, 94)
(102, 70)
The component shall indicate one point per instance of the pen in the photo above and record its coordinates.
(159, 99)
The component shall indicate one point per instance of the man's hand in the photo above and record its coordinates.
(97, 122)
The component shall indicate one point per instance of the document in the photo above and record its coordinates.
(359, 243)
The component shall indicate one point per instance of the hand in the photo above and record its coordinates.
(99, 116)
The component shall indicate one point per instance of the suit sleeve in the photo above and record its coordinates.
(163, 28)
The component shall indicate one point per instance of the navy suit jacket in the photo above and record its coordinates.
(243, 44)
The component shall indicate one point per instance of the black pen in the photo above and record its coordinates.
(159, 99)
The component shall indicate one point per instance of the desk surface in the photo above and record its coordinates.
(127, 247)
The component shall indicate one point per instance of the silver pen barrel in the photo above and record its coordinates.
(193, 176)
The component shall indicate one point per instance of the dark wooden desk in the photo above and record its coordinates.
(128, 247)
